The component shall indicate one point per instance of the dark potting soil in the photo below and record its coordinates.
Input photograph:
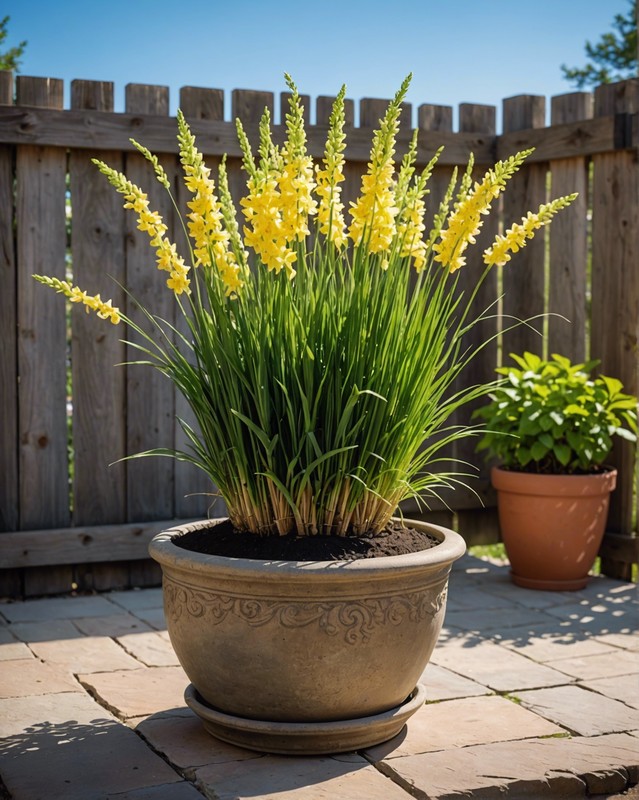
(223, 540)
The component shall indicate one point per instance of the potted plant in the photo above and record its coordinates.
(551, 426)
(319, 364)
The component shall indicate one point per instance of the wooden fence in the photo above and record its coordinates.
(77, 522)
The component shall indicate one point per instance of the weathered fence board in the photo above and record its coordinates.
(569, 240)
(96, 537)
(42, 339)
(523, 280)
(615, 284)
(98, 388)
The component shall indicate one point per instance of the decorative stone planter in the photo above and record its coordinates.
(331, 650)
(552, 525)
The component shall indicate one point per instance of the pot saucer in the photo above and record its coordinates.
(305, 738)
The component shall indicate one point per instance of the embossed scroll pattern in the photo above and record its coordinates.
(353, 619)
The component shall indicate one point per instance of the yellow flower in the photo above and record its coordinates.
(105, 310)
(516, 237)
(206, 220)
(330, 216)
(465, 221)
(149, 221)
(374, 212)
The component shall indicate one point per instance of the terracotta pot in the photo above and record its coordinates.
(307, 649)
(552, 525)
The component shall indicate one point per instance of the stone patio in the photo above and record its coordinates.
(530, 695)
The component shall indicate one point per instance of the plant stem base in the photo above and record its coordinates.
(305, 738)
(549, 585)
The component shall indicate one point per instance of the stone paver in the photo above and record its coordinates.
(282, 778)
(442, 684)
(137, 600)
(13, 650)
(549, 642)
(486, 620)
(478, 720)
(116, 625)
(548, 768)
(153, 648)
(182, 738)
(139, 692)
(56, 608)
(581, 711)
(494, 666)
(600, 665)
(86, 654)
(26, 677)
(51, 630)
(154, 617)
(66, 747)
(624, 688)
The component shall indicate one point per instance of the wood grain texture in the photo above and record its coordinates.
(79, 545)
(615, 285)
(99, 387)
(9, 493)
(6, 88)
(99, 399)
(479, 119)
(568, 240)
(199, 103)
(42, 337)
(99, 130)
(41, 244)
(248, 106)
(523, 277)
(150, 396)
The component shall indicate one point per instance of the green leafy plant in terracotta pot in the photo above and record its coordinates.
(319, 362)
(551, 425)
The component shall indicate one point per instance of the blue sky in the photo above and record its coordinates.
(476, 51)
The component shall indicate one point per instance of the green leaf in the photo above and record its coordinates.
(538, 451)
(562, 453)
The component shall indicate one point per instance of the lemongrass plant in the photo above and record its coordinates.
(321, 353)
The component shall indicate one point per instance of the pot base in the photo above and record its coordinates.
(305, 738)
(549, 585)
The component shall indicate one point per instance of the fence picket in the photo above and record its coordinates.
(42, 340)
(523, 281)
(568, 239)
(478, 119)
(150, 409)
(99, 399)
(8, 327)
(615, 287)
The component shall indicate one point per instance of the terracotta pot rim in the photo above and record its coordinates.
(451, 547)
(552, 485)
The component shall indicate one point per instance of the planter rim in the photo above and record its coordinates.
(451, 547)
(561, 485)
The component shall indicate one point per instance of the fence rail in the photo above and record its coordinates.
(75, 521)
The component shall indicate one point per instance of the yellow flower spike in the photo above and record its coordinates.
(330, 217)
(104, 310)
(516, 237)
(160, 174)
(374, 212)
(205, 220)
(295, 180)
(410, 227)
(465, 221)
(149, 221)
